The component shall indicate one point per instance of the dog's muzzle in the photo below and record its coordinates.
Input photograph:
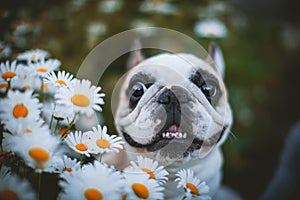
(174, 138)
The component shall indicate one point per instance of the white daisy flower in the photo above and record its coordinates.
(33, 55)
(20, 106)
(194, 188)
(98, 141)
(42, 68)
(8, 70)
(74, 141)
(158, 7)
(150, 167)
(26, 127)
(62, 79)
(94, 181)
(61, 112)
(210, 28)
(83, 96)
(38, 150)
(66, 164)
(3, 86)
(139, 186)
(110, 6)
(23, 191)
(26, 79)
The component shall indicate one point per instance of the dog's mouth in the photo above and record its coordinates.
(172, 142)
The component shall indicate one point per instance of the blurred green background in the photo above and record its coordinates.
(261, 51)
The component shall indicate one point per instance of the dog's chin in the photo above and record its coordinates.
(169, 144)
(173, 143)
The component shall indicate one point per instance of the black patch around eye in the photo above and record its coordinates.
(136, 93)
(208, 85)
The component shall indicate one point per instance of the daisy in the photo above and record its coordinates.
(110, 6)
(61, 112)
(8, 70)
(26, 79)
(39, 150)
(150, 167)
(83, 96)
(74, 141)
(26, 127)
(20, 106)
(94, 181)
(33, 55)
(139, 186)
(23, 191)
(158, 7)
(210, 28)
(194, 188)
(42, 68)
(98, 141)
(3, 86)
(62, 79)
(67, 164)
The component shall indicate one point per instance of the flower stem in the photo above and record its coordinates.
(70, 125)
(52, 116)
(100, 158)
(39, 184)
(57, 123)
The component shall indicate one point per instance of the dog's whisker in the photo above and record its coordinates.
(232, 137)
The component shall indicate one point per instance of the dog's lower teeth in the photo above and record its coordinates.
(177, 135)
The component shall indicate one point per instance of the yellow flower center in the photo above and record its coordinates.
(61, 82)
(67, 169)
(148, 171)
(39, 155)
(193, 188)
(103, 143)
(140, 190)
(8, 195)
(93, 194)
(45, 86)
(26, 87)
(27, 130)
(42, 70)
(80, 100)
(33, 57)
(7, 75)
(81, 147)
(63, 130)
(20, 111)
(3, 85)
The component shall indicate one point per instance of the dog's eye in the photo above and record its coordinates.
(208, 90)
(137, 92)
(138, 89)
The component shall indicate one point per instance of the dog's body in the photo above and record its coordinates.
(173, 108)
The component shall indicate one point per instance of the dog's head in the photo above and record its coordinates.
(174, 106)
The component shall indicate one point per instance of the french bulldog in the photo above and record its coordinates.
(174, 109)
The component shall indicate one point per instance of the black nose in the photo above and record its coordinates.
(172, 106)
(167, 97)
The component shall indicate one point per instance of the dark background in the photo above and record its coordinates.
(261, 53)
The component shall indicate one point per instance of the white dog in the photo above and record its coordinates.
(173, 108)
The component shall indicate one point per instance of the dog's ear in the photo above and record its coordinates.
(136, 55)
(215, 53)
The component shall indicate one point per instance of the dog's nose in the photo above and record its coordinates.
(167, 97)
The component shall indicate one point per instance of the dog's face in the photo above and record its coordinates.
(173, 106)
